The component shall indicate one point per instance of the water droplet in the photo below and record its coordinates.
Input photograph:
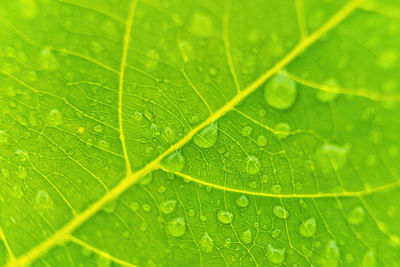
(276, 189)
(103, 144)
(98, 128)
(138, 116)
(324, 96)
(331, 254)
(225, 217)
(369, 259)
(177, 227)
(207, 136)
(17, 191)
(283, 130)
(308, 227)
(253, 165)
(280, 212)
(174, 162)
(111, 206)
(43, 200)
(356, 216)
(146, 207)
(246, 236)
(261, 140)
(280, 92)
(201, 25)
(206, 243)
(54, 117)
(145, 180)
(275, 233)
(330, 156)
(191, 213)
(242, 201)
(275, 255)
(247, 130)
(168, 206)
(5, 173)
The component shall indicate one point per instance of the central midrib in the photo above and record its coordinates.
(132, 178)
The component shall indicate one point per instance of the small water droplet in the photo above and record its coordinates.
(54, 118)
(324, 96)
(275, 255)
(246, 236)
(247, 131)
(146, 207)
(225, 217)
(261, 140)
(174, 162)
(330, 156)
(201, 25)
(331, 254)
(111, 206)
(103, 144)
(280, 212)
(253, 165)
(275, 233)
(283, 130)
(98, 128)
(207, 136)
(5, 173)
(369, 259)
(276, 189)
(356, 216)
(168, 206)
(145, 180)
(308, 227)
(43, 200)
(177, 227)
(138, 116)
(206, 243)
(280, 92)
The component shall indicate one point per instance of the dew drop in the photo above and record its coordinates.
(98, 128)
(247, 131)
(324, 96)
(54, 117)
(276, 189)
(246, 236)
(206, 243)
(275, 255)
(282, 130)
(225, 217)
(369, 259)
(330, 156)
(261, 140)
(242, 201)
(5, 173)
(356, 216)
(280, 212)
(174, 162)
(138, 116)
(253, 165)
(207, 136)
(280, 92)
(111, 206)
(43, 200)
(201, 25)
(145, 180)
(331, 254)
(308, 227)
(168, 206)
(177, 227)
(275, 233)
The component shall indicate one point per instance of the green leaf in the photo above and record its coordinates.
(199, 133)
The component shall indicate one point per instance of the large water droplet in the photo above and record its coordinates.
(207, 136)
(280, 212)
(177, 227)
(356, 216)
(242, 201)
(280, 92)
(308, 227)
(201, 25)
(168, 206)
(369, 259)
(246, 236)
(253, 165)
(224, 216)
(206, 243)
(275, 255)
(331, 254)
(174, 162)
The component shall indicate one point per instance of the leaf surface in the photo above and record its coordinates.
(201, 133)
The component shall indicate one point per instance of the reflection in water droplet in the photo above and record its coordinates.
(246, 236)
(356, 216)
(224, 216)
(369, 259)
(177, 227)
(207, 136)
(253, 165)
(168, 206)
(280, 92)
(280, 212)
(308, 227)
(242, 201)
(206, 243)
(275, 255)
(174, 162)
